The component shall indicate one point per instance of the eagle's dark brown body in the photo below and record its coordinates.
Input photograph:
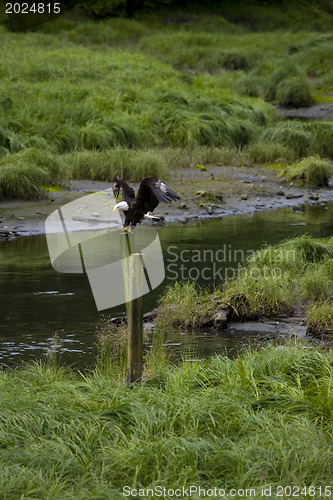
(151, 191)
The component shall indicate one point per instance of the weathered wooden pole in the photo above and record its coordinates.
(132, 268)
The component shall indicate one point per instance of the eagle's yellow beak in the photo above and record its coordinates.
(115, 209)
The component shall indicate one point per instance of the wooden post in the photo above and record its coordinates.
(132, 268)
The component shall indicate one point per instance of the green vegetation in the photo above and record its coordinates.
(277, 277)
(146, 96)
(294, 92)
(264, 418)
(272, 14)
(313, 171)
(320, 318)
(297, 273)
(184, 305)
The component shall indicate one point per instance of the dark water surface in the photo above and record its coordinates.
(36, 302)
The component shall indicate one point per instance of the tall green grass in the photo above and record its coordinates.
(184, 305)
(263, 418)
(97, 87)
(75, 100)
(281, 276)
(320, 318)
(23, 174)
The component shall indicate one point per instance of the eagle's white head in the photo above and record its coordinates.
(123, 205)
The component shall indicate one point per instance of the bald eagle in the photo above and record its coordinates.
(151, 191)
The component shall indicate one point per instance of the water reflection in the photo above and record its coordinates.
(36, 301)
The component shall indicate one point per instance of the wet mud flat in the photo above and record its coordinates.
(215, 192)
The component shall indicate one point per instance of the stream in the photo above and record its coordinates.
(36, 302)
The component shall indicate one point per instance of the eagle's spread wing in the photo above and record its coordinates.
(128, 192)
(151, 191)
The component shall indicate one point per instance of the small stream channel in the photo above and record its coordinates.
(36, 302)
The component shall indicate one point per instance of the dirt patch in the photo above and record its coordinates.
(216, 192)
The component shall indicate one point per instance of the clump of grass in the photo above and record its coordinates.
(184, 305)
(268, 152)
(235, 60)
(253, 85)
(281, 74)
(294, 92)
(309, 249)
(9, 141)
(312, 171)
(157, 357)
(278, 277)
(291, 135)
(322, 137)
(317, 57)
(326, 81)
(319, 318)
(297, 271)
(135, 164)
(22, 175)
(263, 292)
(112, 350)
(317, 280)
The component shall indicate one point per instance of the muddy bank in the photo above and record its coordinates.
(263, 329)
(223, 322)
(320, 111)
(216, 192)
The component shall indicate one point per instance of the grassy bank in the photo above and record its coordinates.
(264, 418)
(140, 97)
(295, 276)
